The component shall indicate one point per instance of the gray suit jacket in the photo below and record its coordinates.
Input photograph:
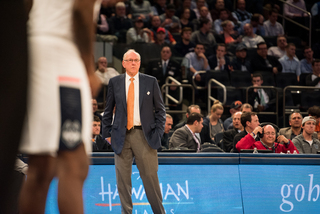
(182, 137)
(288, 131)
(152, 112)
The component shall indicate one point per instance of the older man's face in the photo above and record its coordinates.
(168, 125)
(102, 64)
(296, 120)
(269, 134)
(236, 120)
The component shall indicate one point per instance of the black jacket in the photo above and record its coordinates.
(101, 145)
(155, 69)
(270, 106)
(259, 64)
(237, 63)
(309, 81)
(228, 137)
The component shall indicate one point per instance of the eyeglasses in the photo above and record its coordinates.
(132, 60)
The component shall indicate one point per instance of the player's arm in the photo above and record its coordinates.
(83, 31)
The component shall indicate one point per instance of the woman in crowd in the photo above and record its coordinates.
(212, 124)
(184, 20)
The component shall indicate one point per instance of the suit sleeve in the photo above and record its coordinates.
(159, 109)
(227, 141)
(178, 139)
(108, 112)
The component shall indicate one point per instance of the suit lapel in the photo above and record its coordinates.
(122, 84)
(142, 89)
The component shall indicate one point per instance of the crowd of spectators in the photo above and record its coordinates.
(212, 36)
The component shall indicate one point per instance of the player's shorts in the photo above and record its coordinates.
(59, 112)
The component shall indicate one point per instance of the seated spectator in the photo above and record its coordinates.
(105, 12)
(228, 35)
(240, 14)
(95, 108)
(169, 21)
(314, 111)
(219, 61)
(306, 142)
(138, 33)
(246, 107)
(229, 135)
(290, 63)
(249, 121)
(103, 72)
(98, 143)
(185, 45)
(212, 123)
(185, 136)
(164, 67)
(251, 39)
(167, 128)
(241, 62)
(205, 12)
(185, 19)
(279, 50)
(196, 61)
(271, 26)
(267, 141)
(186, 4)
(191, 109)
(160, 7)
(314, 78)
(306, 63)
(155, 24)
(204, 36)
(234, 108)
(161, 37)
(120, 23)
(263, 62)
(223, 16)
(297, 15)
(295, 122)
(141, 8)
(256, 22)
(220, 4)
(263, 99)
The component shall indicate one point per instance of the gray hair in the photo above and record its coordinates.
(120, 4)
(168, 116)
(297, 112)
(131, 51)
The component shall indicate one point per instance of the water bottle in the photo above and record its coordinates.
(295, 152)
(288, 152)
(255, 150)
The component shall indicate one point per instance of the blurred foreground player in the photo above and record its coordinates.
(13, 85)
(58, 124)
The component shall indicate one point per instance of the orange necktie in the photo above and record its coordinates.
(130, 105)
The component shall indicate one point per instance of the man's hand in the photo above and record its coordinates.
(255, 89)
(257, 130)
(260, 108)
(275, 70)
(167, 22)
(198, 77)
(282, 139)
(173, 88)
(222, 62)
(201, 55)
(95, 84)
(230, 67)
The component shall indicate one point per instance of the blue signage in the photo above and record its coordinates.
(207, 189)
(185, 189)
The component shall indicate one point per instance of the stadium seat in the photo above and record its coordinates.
(240, 79)
(285, 79)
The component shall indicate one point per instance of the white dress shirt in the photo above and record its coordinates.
(136, 110)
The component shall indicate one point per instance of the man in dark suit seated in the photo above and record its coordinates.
(219, 61)
(98, 143)
(314, 78)
(164, 67)
(185, 136)
(263, 99)
(229, 135)
(263, 62)
(249, 120)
